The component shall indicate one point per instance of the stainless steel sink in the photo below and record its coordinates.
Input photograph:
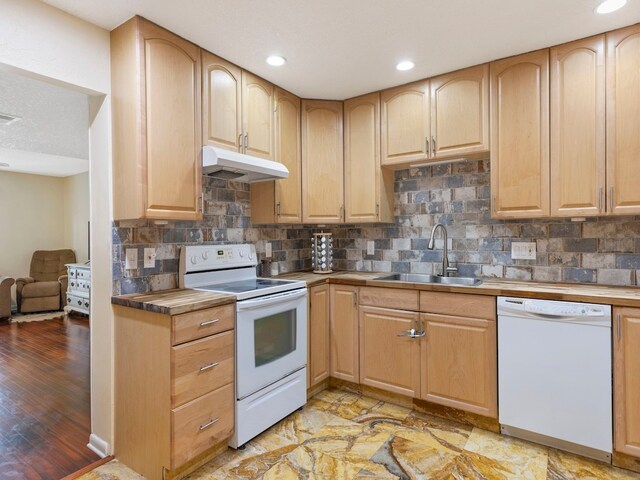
(418, 278)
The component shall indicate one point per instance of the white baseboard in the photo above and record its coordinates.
(99, 446)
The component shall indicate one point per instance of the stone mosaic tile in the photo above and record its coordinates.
(373, 439)
(505, 456)
(565, 466)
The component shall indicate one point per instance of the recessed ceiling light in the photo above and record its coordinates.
(405, 65)
(276, 60)
(609, 6)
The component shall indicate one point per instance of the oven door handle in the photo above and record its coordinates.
(271, 299)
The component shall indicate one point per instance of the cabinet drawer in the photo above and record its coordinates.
(389, 298)
(202, 323)
(200, 424)
(77, 302)
(201, 366)
(459, 304)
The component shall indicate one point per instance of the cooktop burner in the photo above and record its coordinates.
(245, 285)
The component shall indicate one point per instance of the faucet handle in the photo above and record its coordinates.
(451, 270)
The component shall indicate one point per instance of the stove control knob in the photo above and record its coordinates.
(251, 255)
(241, 253)
(194, 260)
(205, 255)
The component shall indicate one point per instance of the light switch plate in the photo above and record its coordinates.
(523, 250)
(149, 257)
(131, 259)
(371, 247)
(267, 250)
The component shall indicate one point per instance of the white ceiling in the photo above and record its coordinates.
(51, 135)
(337, 49)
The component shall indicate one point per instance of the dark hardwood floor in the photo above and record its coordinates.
(44, 398)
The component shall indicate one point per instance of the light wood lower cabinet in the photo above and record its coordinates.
(174, 394)
(318, 367)
(459, 356)
(459, 363)
(345, 351)
(387, 360)
(626, 392)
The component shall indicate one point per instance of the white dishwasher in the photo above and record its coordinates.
(554, 374)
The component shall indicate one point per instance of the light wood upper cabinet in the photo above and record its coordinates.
(368, 188)
(578, 128)
(405, 124)
(626, 391)
(623, 119)
(520, 136)
(460, 113)
(389, 361)
(318, 367)
(280, 201)
(322, 162)
(156, 155)
(238, 108)
(257, 116)
(221, 100)
(345, 349)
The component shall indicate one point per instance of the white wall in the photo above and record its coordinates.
(31, 218)
(40, 40)
(76, 215)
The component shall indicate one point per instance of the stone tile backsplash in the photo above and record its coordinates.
(599, 250)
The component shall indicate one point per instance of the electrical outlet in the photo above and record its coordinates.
(523, 250)
(149, 257)
(131, 259)
(371, 247)
(267, 250)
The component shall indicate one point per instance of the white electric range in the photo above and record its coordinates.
(271, 333)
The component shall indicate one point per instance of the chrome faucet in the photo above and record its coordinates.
(446, 269)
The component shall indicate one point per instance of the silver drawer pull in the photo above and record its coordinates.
(209, 322)
(412, 333)
(211, 365)
(209, 423)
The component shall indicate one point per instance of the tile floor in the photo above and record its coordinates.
(342, 435)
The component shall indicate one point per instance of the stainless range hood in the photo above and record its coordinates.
(239, 166)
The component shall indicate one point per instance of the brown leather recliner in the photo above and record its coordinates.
(46, 286)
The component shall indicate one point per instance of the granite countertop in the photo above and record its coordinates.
(619, 296)
(173, 302)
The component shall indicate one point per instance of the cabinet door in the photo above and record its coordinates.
(221, 105)
(460, 113)
(322, 162)
(318, 368)
(623, 118)
(257, 116)
(626, 391)
(173, 125)
(405, 124)
(459, 363)
(344, 333)
(365, 194)
(289, 190)
(389, 361)
(578, 128)
(520, 136)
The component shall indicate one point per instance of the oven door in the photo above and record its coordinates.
(271, 339)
